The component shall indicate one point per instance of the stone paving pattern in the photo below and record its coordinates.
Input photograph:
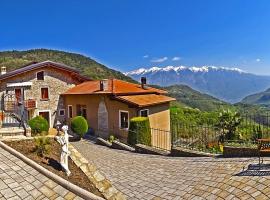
(20, 181)
(141, 176)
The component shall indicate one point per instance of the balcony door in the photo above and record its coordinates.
(46, 115)
(18, 94)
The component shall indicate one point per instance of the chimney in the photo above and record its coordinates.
(143, 82)
(104, 85)
(3, 70)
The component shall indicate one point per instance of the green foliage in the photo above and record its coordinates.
(38, 125)
(228, 122)
(139, 131)
(186, 115)
(79, 125)
(43, 145)
(87, 66)
(111, 138)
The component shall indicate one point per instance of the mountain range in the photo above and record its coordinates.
(227, 84)
(261, 98)
(188, 97)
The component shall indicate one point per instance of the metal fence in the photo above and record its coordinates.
(208, 136)
(198, 137)
(205, 137)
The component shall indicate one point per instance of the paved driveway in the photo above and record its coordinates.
(156, 177)
(20, 181)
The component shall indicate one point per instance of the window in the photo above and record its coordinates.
(44, 93)
(70, 114)
(62, 112)
(81, 111)
(144, 113)
(123, 119)
(40, 76)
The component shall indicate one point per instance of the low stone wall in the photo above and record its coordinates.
(121, 146)
(101, 183)
(103, 142)
(229, 152)
(140, 148)
(183, 152)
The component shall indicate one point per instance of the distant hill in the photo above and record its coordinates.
(228, 84)
(87, 66)
(187, 96)
(261, 98)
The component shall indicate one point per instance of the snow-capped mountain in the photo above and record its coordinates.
(228, 84)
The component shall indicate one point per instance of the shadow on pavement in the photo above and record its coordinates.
(255, 170)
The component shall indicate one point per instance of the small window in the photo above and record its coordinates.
(81, 111)
(144, 113)
(44, 93)
(40, 76)
(124, 119)
(62, 112)
(70, 114)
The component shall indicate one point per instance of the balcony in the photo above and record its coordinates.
(30, 104)
(13, 105)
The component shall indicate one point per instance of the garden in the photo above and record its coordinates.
(211, 131)
(46, 151)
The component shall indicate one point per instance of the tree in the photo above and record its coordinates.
(228, 121)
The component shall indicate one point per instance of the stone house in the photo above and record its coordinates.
(36, 88)
(108, 105)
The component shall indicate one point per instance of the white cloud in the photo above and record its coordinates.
(159, 60)
(176, 58)
(258, 60)
(145, 56)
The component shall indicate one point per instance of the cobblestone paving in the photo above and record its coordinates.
(20, 181)
(156, 177)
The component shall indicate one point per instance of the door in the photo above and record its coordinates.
(45, 115)
(18, 94)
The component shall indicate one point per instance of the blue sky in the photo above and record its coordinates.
(127, 34)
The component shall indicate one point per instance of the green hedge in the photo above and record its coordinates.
(139, 131)
(79, 125)
(38, 125)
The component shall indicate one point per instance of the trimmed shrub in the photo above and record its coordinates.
(79, 125)
(139, 131)
(38, 125)
(43, 145)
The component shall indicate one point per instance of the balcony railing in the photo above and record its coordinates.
(13, 105)
(30, 104)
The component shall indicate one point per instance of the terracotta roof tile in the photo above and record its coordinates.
(115, 86)
(145, 99)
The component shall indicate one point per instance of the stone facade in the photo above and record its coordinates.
(57, 81)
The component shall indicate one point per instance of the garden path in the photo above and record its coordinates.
(141, 176)
(20, 181)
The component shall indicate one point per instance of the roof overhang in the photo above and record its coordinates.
(40, 65)
(144, 100)
(22, 84)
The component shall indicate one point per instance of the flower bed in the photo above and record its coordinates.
(51, 163)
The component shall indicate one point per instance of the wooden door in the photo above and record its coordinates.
(18, 94)
(45, 115)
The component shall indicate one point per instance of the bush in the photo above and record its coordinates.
(38, 125)
(43, 145)
(111, 138)
(139, 131)
(79, 125)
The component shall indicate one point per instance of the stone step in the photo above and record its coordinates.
(11, 131)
